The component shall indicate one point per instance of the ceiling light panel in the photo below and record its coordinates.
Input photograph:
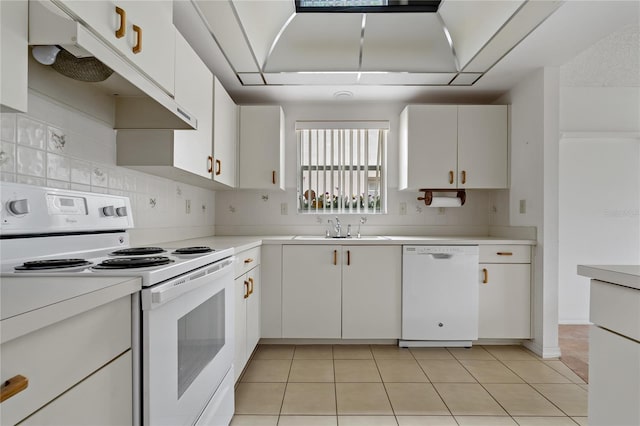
(312, 78)
(406, 78)
(472, 23)
(413, 42)
(224, 26)
(318, 42)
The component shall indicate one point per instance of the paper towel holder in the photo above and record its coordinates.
(428, 194)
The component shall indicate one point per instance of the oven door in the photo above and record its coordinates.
(187, 343)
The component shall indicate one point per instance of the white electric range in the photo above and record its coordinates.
(183, 317)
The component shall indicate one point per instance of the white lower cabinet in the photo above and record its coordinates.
(333, 291)
(74, 367)
(505, 292)
(247, 312)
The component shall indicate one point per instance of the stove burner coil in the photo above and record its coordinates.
(138, 251)
(38, 265)
(193, 250)
(133, 262)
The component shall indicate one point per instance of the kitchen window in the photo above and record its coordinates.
(341, 167)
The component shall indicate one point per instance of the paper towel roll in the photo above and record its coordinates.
(445, 202)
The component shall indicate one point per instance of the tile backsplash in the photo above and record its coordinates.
(56, 146)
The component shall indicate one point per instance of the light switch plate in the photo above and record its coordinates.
(523, 206)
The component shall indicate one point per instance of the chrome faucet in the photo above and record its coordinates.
(338, 228)
(362, 221)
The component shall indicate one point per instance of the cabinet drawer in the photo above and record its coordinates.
(499, 253)
(102, 398)
(57, 357)
(616, 308)
(247, 260)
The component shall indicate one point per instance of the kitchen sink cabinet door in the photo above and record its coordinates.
(311, 291)
(428, 146)
(504, 301)
(253, 310)
(371, 292)
(225, 136)
(147, 39)
(482, 146)
(261, 147)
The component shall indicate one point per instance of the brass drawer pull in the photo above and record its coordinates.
(218, 167)
(335, 257)
(273, 177)
(450, 176)
(138, 47)
(504, 253)
(209, 164)
(248, 260)
(123, 22)
(13, 386)
(485, 278)
(464, 177)
(246, 289)
(250, 286)
(348, 257)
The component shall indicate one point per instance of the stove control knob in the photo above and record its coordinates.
(121, 211)
(19, 207)
(109, 211)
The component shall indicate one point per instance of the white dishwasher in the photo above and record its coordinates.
(439, 295)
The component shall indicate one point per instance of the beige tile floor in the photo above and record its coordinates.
(377, 385)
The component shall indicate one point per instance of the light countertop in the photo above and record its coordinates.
(624, 275)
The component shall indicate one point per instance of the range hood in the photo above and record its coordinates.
(271, 43)
(50, 26)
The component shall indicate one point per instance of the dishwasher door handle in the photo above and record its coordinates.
(440, 256)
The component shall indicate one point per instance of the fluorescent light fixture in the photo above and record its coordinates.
(366, 6)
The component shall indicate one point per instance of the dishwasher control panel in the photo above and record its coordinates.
(409, 250)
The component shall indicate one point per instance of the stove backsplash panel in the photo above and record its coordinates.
(58, 146)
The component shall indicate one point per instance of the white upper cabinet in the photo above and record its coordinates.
(482, 146)
(139, 30)
(13, 60)
(184, 155)
(225, 136)
(261, 160)
(451, 146)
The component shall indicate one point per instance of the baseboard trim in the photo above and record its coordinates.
(575, 322)
(294, 341)
(543, 352)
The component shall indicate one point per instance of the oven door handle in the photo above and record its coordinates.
(160, 294)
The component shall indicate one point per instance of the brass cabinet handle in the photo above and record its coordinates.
(451, 176)
(209, 164)
(248, 260)
(123, 22)
(138, 47)
(246, 289)
(348, 257)
(335, 257)
(504, 253)
(485, 274)
(250, 286)
(273, 177)
(218, 167)
(14, 385)
(464, 176)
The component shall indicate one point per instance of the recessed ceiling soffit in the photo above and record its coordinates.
(268, 43)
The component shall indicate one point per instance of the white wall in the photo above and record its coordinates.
(245, 212)
(534, 179)
(599, 164)
(59, 144)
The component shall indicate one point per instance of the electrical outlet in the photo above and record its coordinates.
(187, 206)
(523, 206)
(403, 208)
(284, 209)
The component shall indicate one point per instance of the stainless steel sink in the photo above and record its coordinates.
(322, 237)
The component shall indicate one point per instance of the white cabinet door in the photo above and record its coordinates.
(371, 292)
(194, 90)
(271, 291)
(261, 147)
(225, 136)
(428, 151)
(13, 55)
(482, 146)
(311, 291)
(505, 301)
(241, 292)
(253, 310)
(148, 39)
(103, 398)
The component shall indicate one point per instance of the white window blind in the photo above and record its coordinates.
(341, 170)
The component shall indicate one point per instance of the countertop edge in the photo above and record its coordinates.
(624, 275)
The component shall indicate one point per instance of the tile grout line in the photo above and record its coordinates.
(436, 389)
